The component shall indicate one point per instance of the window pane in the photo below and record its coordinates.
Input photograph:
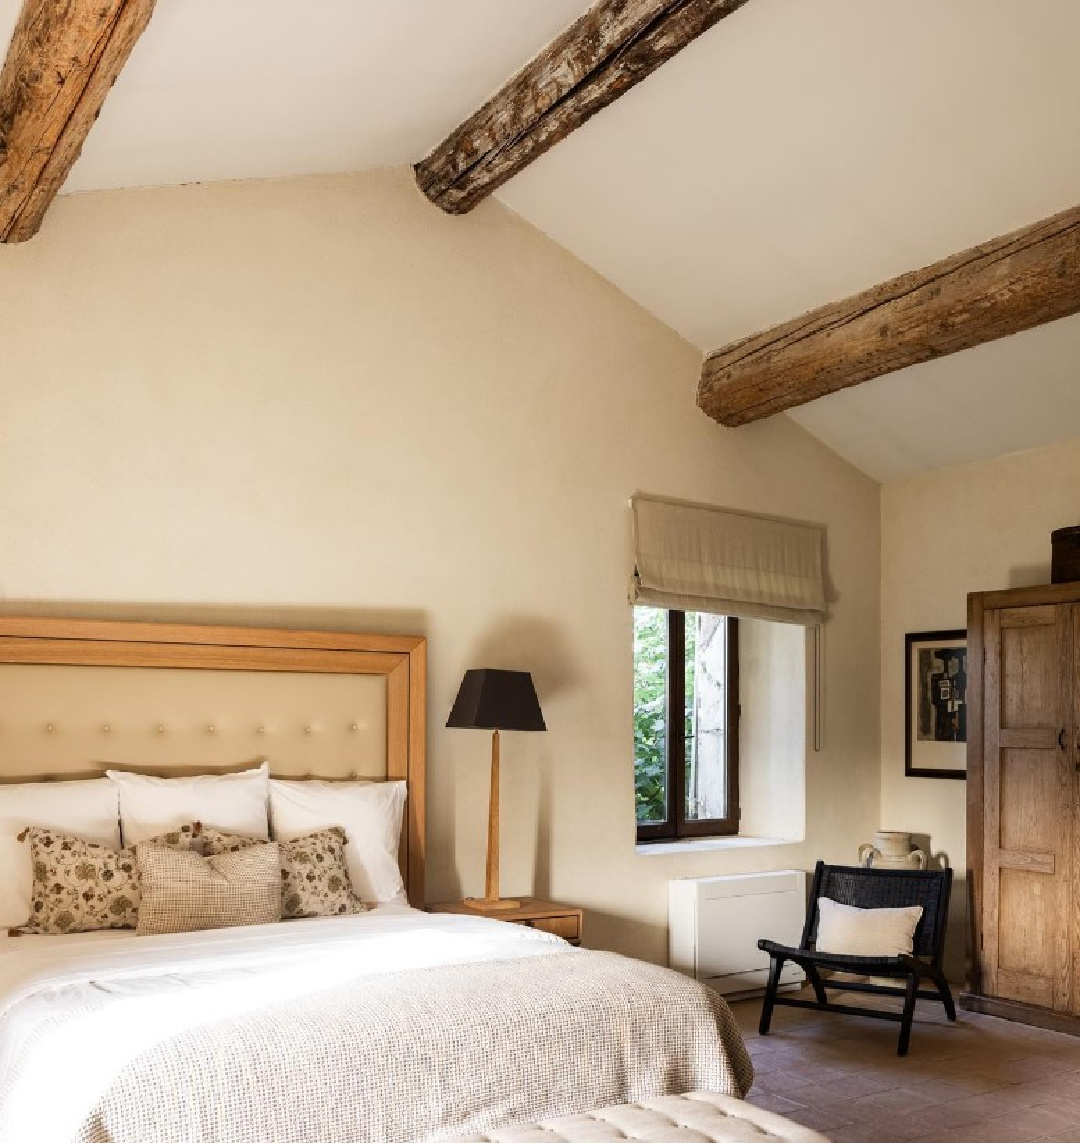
(706, 716)
(650, 714)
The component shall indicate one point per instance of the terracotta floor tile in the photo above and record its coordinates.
(1032, 1123)
(819, 1119)
(941, 1089)
(1001, 1102)
(780, 1083)
(852, 1086)
(951, 1115)
(894, 1129)
(883, 1106)
(777, 1103)
(980, 1080)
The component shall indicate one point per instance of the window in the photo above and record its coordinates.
(686, 723)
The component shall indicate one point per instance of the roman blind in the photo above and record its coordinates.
(691, 557)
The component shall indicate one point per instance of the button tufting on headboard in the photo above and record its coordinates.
(184, 699)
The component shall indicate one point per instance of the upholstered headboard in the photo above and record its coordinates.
(78, 696)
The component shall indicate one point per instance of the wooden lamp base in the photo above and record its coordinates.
(491, 905)
(491, 902)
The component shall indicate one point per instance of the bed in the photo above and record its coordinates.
(391, 1025)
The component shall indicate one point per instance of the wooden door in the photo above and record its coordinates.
(1030, 758)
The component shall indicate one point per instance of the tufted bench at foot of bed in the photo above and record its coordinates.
(697, 1117)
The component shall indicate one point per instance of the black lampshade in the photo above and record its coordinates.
(496, 700)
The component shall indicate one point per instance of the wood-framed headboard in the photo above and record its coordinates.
(79, 695)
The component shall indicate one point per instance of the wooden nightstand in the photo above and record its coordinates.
(564, 921)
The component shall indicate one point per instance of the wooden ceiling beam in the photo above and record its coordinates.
(605, 52)
(64, 57)
(1010, 284)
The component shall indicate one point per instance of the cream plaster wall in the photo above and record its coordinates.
(322, 401)
(773, 676)
(977, 527)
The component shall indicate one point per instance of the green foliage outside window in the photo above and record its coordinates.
(650, 713)
(650, 707)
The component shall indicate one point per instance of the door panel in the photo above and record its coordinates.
(1030, 670)
(1031, 793)
(1028, 950)
(1028, 829)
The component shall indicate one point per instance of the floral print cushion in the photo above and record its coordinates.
(81, 886)
(314, 874)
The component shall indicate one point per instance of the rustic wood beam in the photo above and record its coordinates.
(612, 47)
(64, 57)
(1010, 284)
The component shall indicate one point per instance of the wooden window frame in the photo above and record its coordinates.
(677, 827)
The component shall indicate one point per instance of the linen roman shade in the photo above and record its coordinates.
(691, 557)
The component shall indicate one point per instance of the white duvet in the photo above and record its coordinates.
(74, 1010)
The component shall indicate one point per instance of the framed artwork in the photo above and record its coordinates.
(935, 667)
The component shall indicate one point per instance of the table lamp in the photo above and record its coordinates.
(495, 700)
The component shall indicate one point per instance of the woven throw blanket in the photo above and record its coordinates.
(430, 1053)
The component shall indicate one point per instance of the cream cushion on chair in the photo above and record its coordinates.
(866, 932)
(183, 891)
(697, 1117)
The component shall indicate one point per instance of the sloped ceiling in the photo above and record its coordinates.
(795, 154)
(231, 89)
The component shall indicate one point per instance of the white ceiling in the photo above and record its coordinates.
(228, 89)
(796, 153)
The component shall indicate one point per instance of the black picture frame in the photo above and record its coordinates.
(935, 704)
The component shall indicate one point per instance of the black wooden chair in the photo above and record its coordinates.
(870, 889)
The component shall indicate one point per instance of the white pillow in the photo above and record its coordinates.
(370, 814)
(866, 932)
(90, 810)
(235, 803)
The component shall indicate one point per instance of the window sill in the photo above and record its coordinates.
(709, 844)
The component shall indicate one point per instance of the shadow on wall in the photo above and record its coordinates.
(1030, 575)
(933, 860)
(527, 643)
(617, 932)
(956, 926)
(383, 621)
(441, 865)
(542, 852)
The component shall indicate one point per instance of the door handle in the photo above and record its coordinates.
(1063, 743)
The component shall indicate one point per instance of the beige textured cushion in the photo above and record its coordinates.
(79, 886)
(314, 873)
(182, 891)
(866, 932)
(697, 1117)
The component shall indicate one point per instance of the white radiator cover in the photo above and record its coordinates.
(714, 924)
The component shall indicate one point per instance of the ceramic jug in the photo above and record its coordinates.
(891, 849)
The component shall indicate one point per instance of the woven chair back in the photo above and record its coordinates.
(866, 888)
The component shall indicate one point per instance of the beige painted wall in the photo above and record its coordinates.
(322, 401)
(977, 527)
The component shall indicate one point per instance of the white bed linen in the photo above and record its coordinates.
(75, 1009)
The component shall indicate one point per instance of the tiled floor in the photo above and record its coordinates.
(978, 1079)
